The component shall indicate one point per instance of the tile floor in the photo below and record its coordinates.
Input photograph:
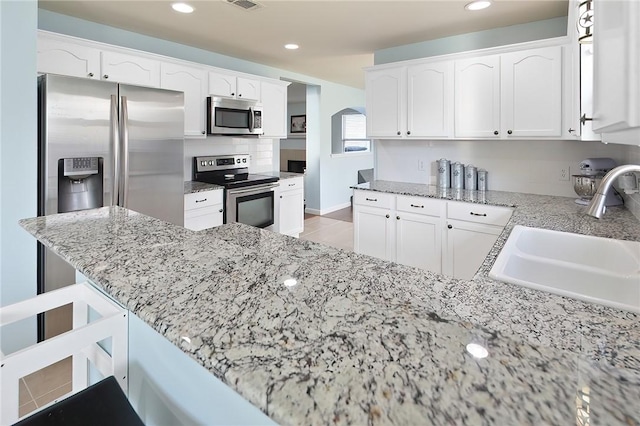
(333, 229)
(40, 388)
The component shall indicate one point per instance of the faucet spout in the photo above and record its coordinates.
(596, 207)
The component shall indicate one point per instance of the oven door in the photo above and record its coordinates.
(251, 205)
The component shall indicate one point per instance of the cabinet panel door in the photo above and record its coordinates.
(248, 89)
(130, 69)
(57, 57)
(468, 245)
(477, 97)
(532, 93)
(222, 85)
(373, 232)
(191, 81)
(616, 46)
(385, 102)
(274, 104)
(419, 241)
(291, 212)
(429, 100)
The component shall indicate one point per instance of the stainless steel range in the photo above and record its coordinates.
(249, 198)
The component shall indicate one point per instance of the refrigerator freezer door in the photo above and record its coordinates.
(152, 165)
(74, 122)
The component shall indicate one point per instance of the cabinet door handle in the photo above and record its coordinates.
(495, 132)
(450, 226)
(105, 76)
(281, 196)
(233, 94)
(90, 74)
(203, 132)
(397, 217)
(239, 95)
(478, 214)
(387, 216)
(584, 119)
(420, 207)
(398, 132)
(221, 210)
(408, 132)
(509, 131)
(201, 201)
(371, 199)
(571, 130)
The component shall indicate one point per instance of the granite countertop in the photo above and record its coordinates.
(284, 175)
(191, 186)
(361, 340)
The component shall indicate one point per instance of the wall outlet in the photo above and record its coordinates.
(564, 173)
(421, 165)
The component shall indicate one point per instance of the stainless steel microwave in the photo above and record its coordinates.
(233, 117)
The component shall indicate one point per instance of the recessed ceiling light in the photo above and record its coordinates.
(478, 5)
(182, 7)
(291, 46)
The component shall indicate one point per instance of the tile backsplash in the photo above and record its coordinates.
(632, 201)
(260, 150)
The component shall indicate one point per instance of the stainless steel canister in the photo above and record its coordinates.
(470, 177)
(444, 173)
(457, 175)
(482, 180)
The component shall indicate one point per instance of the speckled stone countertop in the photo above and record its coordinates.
(360, 340)
(191, 186)
(284, 175)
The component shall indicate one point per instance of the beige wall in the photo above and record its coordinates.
(291, 154)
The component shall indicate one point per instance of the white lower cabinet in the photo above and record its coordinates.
(289, 212)
(448, 237)
(403, 229)
(203, 210)
(471, 232)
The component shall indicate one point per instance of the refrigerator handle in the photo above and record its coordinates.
(124, 132)
(115, 147)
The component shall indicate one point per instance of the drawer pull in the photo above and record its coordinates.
(292, 184)
(220, 210)
(478, 214)
(387, 216)
(419, 207)
(371, 199)
(201, 201)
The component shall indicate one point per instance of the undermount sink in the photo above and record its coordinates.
(593, 269)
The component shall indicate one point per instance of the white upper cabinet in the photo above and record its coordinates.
(385, 102)
(430, 99)
(532, 93)
(512, 95)
(274, 104)
(193, 82)
(59, 57)
(232, 86)
(129, 69)
(477, 97)
(410, 102)
(616, 44)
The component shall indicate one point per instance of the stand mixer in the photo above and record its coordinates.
(586, 184)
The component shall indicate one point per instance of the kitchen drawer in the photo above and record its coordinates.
(420, 205)
(374, 199)
(204, 218)
(198, 200)
(478, 213)
(291, 184)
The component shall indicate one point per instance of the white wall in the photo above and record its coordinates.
(517, 166)
(18, 160)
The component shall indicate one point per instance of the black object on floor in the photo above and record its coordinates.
(102, 404)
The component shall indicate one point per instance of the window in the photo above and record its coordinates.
(354, 133)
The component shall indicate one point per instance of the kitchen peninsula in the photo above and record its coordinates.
(360, 340)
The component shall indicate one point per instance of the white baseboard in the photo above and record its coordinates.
(328, 210)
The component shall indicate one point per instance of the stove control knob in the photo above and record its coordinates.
(244, 160)
(238, 161)
(203, 163)
(211, 163)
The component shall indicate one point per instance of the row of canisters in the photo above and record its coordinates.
(459, 176)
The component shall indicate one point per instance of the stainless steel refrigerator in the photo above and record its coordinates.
(101, 144)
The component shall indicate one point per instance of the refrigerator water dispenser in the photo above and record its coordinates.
(79, 183)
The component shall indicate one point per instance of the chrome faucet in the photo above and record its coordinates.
(596, 207)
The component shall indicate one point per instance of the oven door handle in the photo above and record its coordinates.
(253, 189)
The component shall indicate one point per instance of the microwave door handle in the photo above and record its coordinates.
(251, 119)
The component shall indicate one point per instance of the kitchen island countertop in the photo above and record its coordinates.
(360, 340)
(192, 186)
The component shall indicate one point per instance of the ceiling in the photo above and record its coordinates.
(337, 38)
